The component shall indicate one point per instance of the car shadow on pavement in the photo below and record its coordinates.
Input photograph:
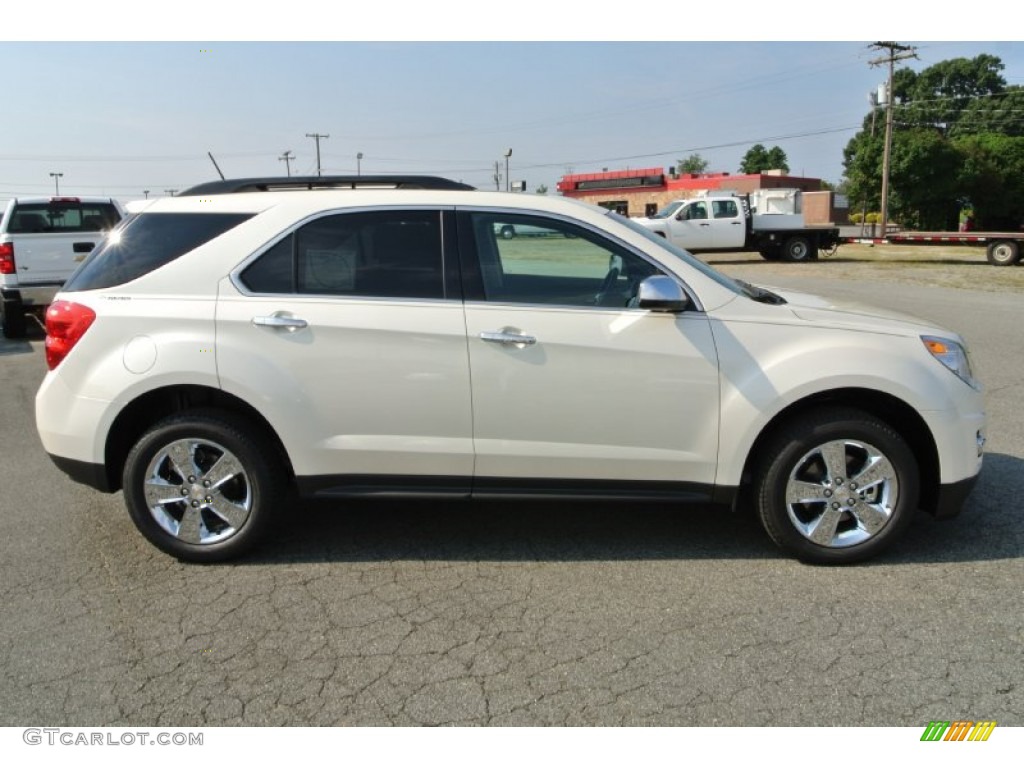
(558, 531)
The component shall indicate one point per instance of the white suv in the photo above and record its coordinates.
(354, 337)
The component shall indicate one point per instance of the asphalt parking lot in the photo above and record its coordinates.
(520, 614)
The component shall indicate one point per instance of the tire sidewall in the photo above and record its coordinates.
(245, 446)
(794, 444)
(1010, 258)
(801, 255)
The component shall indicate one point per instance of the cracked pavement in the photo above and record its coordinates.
(415, 613)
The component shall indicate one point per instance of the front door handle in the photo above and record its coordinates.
(280, 321)
(505, 336)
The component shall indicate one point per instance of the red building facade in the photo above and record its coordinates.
(642, 191)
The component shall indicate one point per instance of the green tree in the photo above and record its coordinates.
(956, 125)
(542, 189)
(692, 164)
(992, 178)
(759, 159)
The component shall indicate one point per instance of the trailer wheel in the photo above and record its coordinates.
(799, 248)
(1003, 253)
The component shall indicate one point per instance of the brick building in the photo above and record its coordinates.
(643, 191)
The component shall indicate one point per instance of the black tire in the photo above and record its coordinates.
(222, 520)
(800, 248)
(508, 232)
(771, 254)
(13, 319)
(816, 514)
(1003, 253)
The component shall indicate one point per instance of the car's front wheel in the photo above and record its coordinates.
(202, 486)
(837, 486)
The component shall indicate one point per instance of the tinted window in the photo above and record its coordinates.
(391, 254)
(549, 261)
(147, 242)
(63, 216)
(725, 209)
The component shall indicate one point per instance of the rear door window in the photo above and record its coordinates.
(388, 254)
(63, 216)
(147, 242)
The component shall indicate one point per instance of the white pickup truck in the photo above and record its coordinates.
(42, 240)
(769, 221)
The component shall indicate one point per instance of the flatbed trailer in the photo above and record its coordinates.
(1003, 249)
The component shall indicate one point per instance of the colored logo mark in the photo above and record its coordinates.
(958, 730)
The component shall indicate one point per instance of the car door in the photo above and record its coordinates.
(350, 335)
(691, 227)
(728, 226)
(572, 387)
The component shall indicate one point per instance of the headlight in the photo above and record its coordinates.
(952, 355)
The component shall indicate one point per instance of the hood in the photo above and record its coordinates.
(850, 314)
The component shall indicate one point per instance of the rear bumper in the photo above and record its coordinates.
(40, 295)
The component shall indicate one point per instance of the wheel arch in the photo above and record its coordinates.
(148, 409)
(895, 412)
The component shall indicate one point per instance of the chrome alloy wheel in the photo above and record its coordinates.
(198, 491)
(841, 493)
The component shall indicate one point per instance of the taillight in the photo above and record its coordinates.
(66, 323)
(7, 259)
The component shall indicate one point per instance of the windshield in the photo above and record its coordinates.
(684, 256)
(669, 210)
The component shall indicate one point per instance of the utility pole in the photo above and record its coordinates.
(56, 182)
(171, 192)
(146, 193)
(497, 176)
(897, 52)
(287, 157)
(316, 137)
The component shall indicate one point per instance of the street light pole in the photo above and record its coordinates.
(508, 183)
(56, 182)
(359, 163)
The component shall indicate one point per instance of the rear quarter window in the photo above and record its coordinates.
(146, 242)
(62, 216)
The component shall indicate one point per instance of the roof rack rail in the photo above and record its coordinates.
(286, 183)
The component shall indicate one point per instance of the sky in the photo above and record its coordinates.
(131, 113)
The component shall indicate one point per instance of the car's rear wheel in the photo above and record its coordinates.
(838, 486)
(202, 486)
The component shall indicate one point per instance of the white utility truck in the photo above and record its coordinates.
(768, 221)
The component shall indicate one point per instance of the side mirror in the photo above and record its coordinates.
(660, 293)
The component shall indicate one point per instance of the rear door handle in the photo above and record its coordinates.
(505, 336)
(280, 321)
